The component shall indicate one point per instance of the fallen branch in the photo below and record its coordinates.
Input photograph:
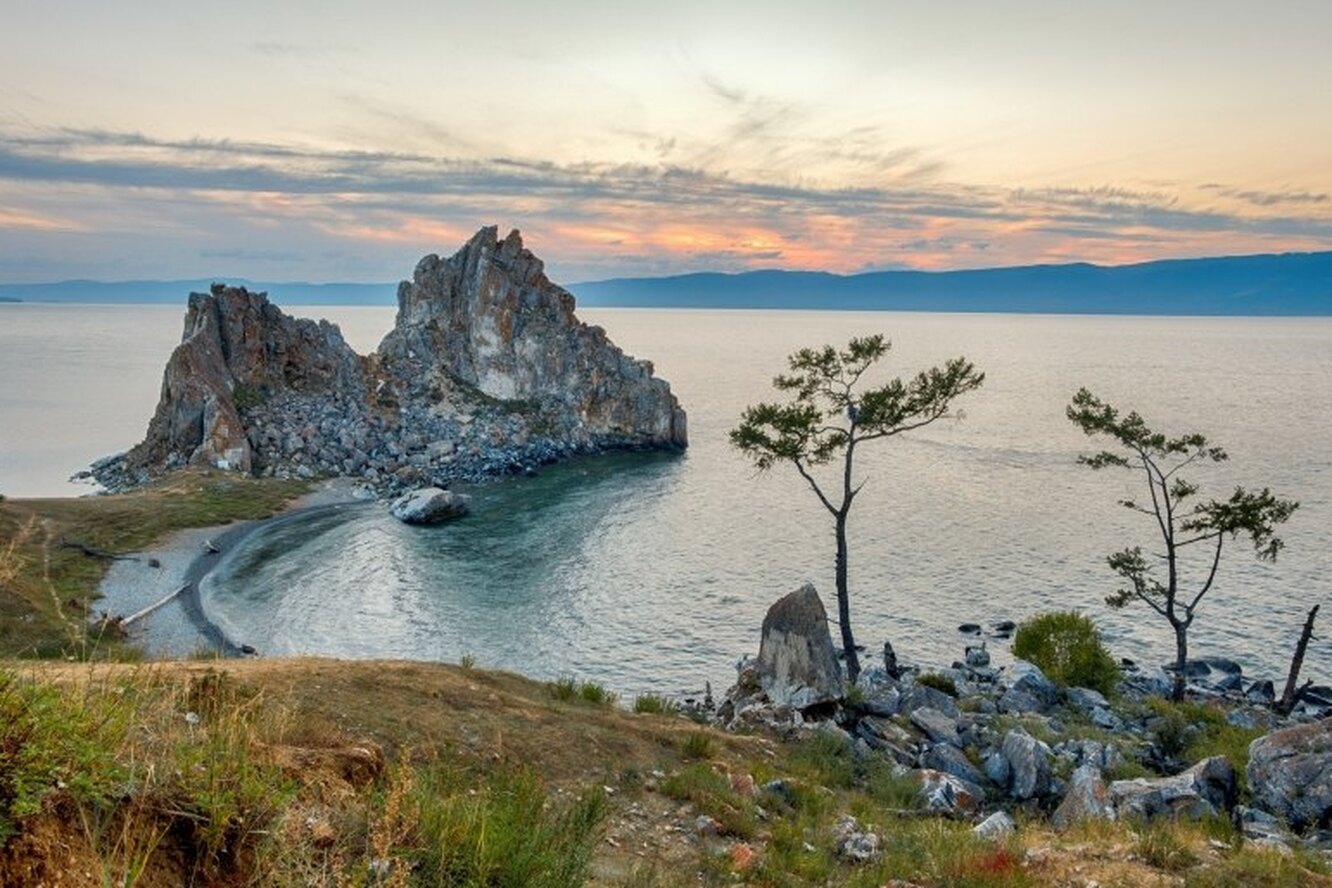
(152, 607)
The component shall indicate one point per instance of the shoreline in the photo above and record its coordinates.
(184, 560)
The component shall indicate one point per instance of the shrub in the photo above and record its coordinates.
(1068, 649)
(564, 688)
(654, 703)
(699, 745)
(597, 693)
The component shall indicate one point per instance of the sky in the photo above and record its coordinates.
(341, 141)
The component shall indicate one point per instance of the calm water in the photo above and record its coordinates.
(654, 571)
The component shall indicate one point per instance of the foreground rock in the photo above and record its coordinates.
(797, 668)
(486, 371)
(1290, 772)
(430, 505)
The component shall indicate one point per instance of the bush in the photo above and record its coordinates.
(1068, 649)
(593, 692)
(699, 745)
(654, 703)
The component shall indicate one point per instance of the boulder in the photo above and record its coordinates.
(946, 793)
(888, 737)
(1207, 789)
(855, 844)
(952, 760)
(935, 725)
(1290, 773)
(1028, 765)
(1028, 680)
(1086, 699)
(919, 696)
(878, 691)
(1086, 798)
(430, 505)
(797, 663)
(997, 826)
(1263, 828)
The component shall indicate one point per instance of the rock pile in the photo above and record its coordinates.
(487, 371)
(1011, 739)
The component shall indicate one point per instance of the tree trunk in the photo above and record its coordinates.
(844, 603)
(1291, 695)
(1181, 660)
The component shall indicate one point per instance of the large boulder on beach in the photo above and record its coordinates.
(797, 663)
(1290, 772)
(430, 505)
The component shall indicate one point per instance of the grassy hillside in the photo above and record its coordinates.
(322, 772)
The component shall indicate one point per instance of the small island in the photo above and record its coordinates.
(487, 371)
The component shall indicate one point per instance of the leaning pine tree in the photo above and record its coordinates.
(1183, 528)
(829, 416)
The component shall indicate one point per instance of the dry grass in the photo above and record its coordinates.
(287, 764)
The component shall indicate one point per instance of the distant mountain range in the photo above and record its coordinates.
(1283, 284)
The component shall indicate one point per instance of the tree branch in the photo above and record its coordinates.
(1211, 575)
(814, 485)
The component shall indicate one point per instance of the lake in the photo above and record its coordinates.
(654, 571)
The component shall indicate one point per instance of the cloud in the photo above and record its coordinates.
(234, 198)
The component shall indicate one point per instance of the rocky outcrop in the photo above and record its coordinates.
(490, 318)
(486, 371)
(1204, 790)
(1290, 772)
(237, 349)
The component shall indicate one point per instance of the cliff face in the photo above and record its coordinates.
(487, 370)
(489, 317)
(238, 348)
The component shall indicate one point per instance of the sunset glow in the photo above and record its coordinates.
(636, 142)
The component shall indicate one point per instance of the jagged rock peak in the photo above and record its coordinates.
(490, 318)
(487, 370)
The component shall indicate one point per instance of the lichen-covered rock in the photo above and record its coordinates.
(1086, 798)
(1290, 772)
(998, 826)
(946, 793)
(487, 371)
(1028, 765)
(1204, 790)
(797, 663)
(855, 844)
(430, 505)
